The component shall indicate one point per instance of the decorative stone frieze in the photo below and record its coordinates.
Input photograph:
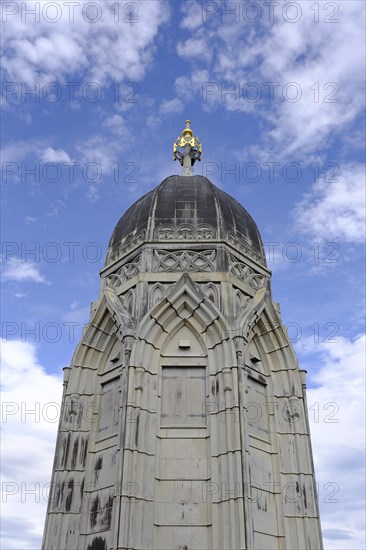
(184, 260)
(129, 243)
(246, 273)
(244, 245)
(124, 273)
(185, 231)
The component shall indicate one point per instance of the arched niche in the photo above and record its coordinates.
(156, 293)
(185, 304)
(213, 293)
(184, 341)
(129, 302)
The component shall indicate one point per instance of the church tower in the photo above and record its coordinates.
(184, 420)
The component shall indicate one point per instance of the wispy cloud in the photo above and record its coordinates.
(54, 155)
(292, 59)
(29, 421)
(103, 43)
(335, 208)
(172, 106)
(16, 269)
(117, 125)
(18, 150)
(336, 408)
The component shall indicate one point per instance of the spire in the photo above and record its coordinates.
(187, 149)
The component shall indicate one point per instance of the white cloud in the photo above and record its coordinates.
(172, 106)
(195, 48)
(33, 149)
(185, 85)
(280, 52)
(30, 408)
(335, 210)
(116, 124)
(117, 46)
(337, 422)
(16, 269)
(15, 151)
(102, 152)
(192, 11)
(54, 155)
(19, 295)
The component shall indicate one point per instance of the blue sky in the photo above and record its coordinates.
(274, 91)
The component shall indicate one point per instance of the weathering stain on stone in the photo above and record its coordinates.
(57, 496)
(137, 428)
(101, 515)
(106, 514)
(94, 512)
(97, 544)
(66, 450)
(83, 451)
(61, 499)
(82, 489)
(305, 499)
(70, 493)
(74, 453)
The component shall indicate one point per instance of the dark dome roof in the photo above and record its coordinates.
(186, 208)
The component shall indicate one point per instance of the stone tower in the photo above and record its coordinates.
(184, 420)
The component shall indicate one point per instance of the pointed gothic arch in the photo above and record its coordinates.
(188, 311)
(156, 293)
(184, 301)
(212, 292)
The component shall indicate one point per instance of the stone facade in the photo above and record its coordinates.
(184, 420)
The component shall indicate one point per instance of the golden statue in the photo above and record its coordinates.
(187, 149)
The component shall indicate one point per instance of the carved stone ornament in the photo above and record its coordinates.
(121, 316)
(128, 244)
(246, 246)
(212, 292)
(157, 292)
(124, 273)
(246, 274)
(240, 302)
(184, 260)
(128, 301)
(185, 231)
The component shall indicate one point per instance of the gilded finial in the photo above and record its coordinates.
(187, 149)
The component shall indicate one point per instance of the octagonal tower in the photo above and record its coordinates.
(184, 421)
